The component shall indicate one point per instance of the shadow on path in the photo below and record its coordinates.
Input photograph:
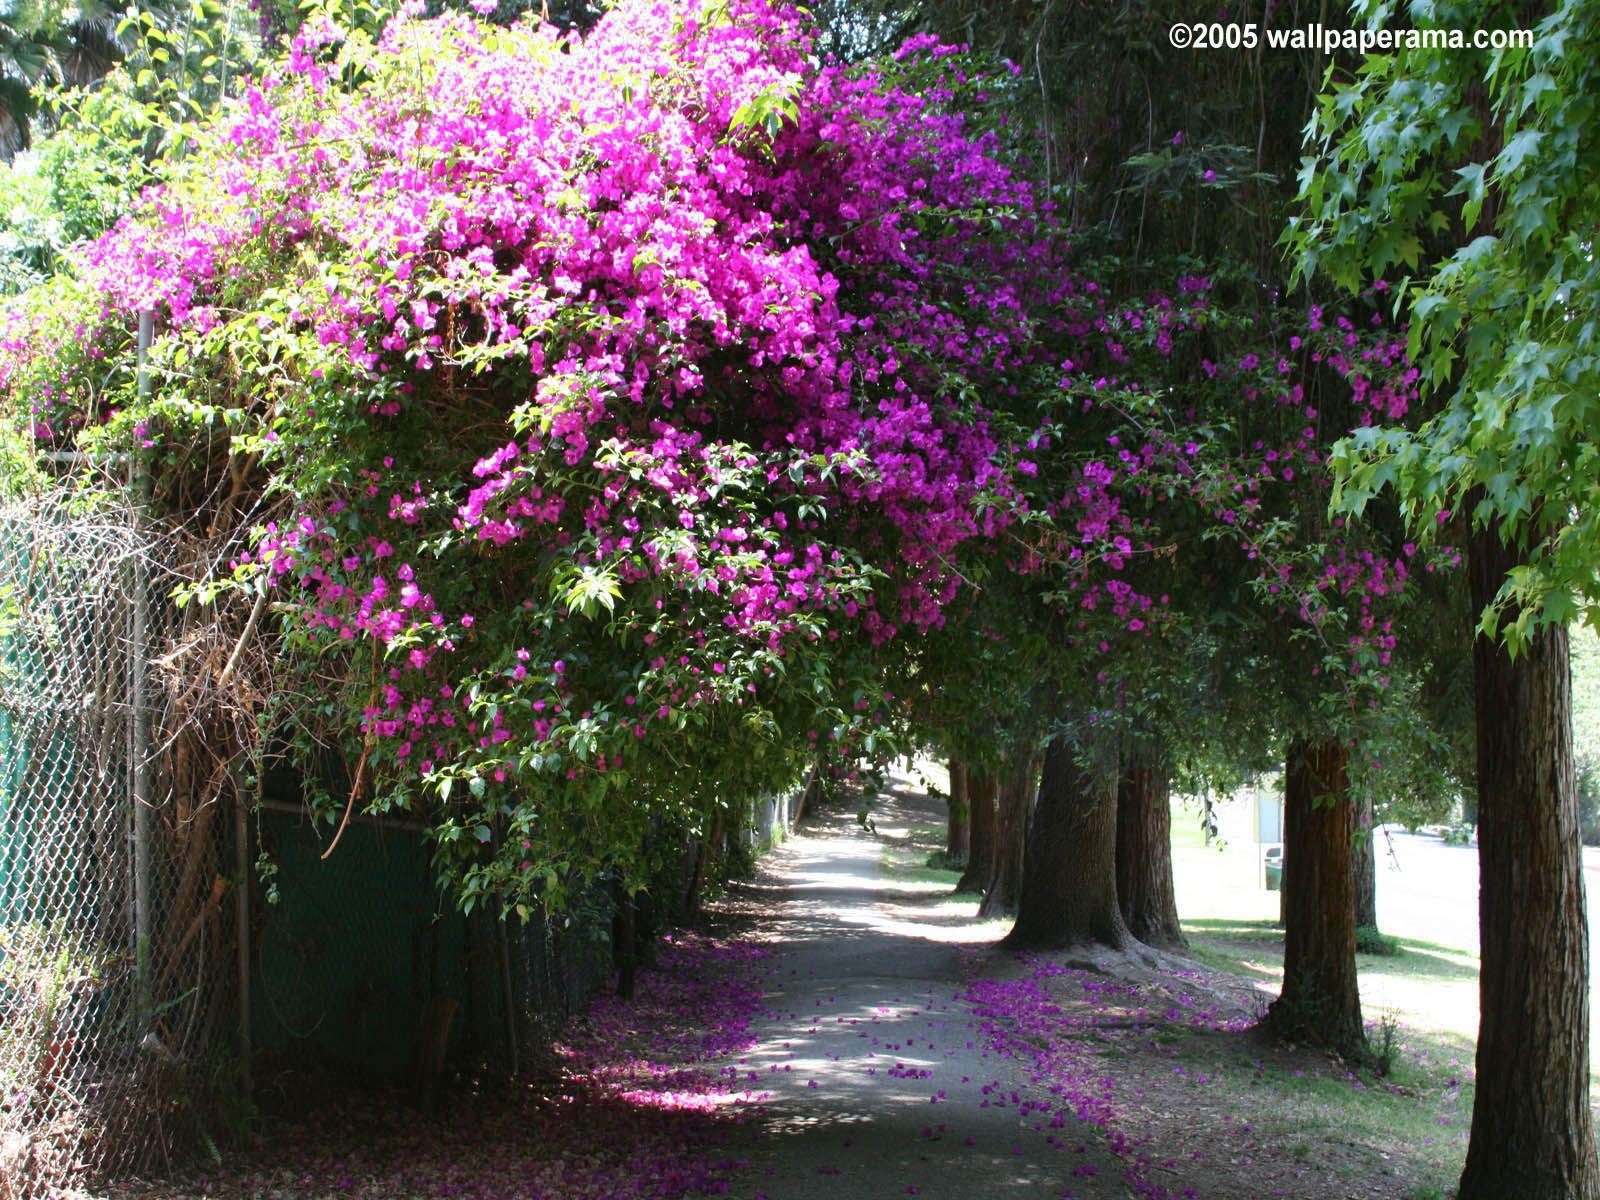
(878, 1081)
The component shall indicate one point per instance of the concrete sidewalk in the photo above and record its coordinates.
(878, 1080)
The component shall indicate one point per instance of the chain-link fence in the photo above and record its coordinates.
(145, 970)
(111, 929)
(153, 985)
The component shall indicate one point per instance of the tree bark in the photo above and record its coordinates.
(1069, 878)
(981, 831)
(625, 945)
(708, 852)
(1532, 1132)
(1366, 867)
(1320, 1002)
(1144, 854)
(1011, 821)
(957, 835)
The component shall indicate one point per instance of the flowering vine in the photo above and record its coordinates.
(604, 410)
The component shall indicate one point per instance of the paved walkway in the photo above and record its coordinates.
(879, 1082)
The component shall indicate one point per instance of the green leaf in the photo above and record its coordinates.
(1517, 151)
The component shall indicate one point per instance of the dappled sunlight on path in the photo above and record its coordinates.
(880, 1082)
(865, 1039)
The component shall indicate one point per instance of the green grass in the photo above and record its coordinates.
(1370, 940)
(1411, 1125)
(1415, 1119)
(1223, 941)
(907, 862)
(941, 860)
(1428, 989)
(1418, 1116)
(1232, 929)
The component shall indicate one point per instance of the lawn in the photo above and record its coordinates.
(1224, 1109)
(1421, 1007)
(1231, 922)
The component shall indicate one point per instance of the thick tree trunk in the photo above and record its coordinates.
(1366, 867)
(957, 834)
(1144, 854)
(1011, 823)
(1069, 878)
(1532, 1133)
(980, 835)
(1320, 1002)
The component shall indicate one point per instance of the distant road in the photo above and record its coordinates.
(1429, 890)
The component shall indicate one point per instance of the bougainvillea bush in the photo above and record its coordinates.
(600, 415)
(1204, 409)
(591, 411)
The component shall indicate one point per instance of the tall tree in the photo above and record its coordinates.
(982, 790)
(1183, 155)
(1069, 879)
(1145, 889)
(1011, 827)
(1474, 168)
(1320, 1001)
(1364, 865)
(1533, 1045)
(958, 830)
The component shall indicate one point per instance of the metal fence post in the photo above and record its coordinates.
(138, 667)
(241, 864)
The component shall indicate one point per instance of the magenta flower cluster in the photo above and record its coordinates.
(605, 392)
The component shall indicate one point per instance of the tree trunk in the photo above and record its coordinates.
(689, 909)
(957, 834)
(1011, 821)
(981, 831)
(1320, 1002)
(708, 852)
(1532, 1133)
(624, 945)
(1144, 854)
(1069, 878)
(810, 794)
(1366, 867)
